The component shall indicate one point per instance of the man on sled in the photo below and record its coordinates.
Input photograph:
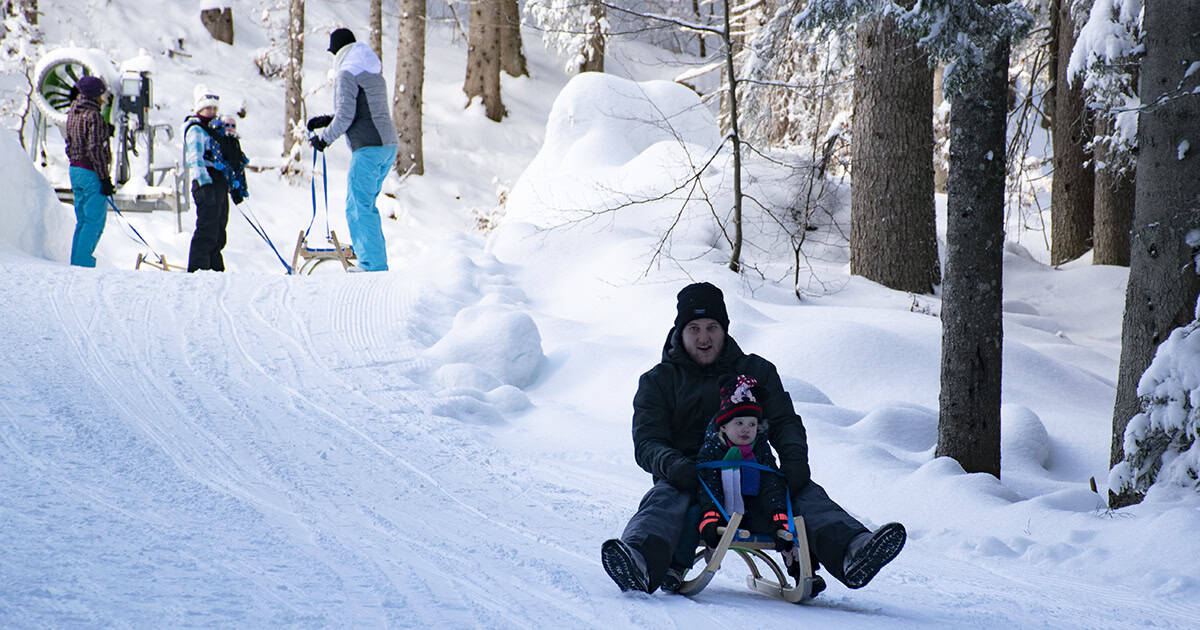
(673, 405)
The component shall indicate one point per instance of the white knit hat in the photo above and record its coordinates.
(204, 97)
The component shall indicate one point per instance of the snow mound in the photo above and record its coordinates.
(502, 343)
(35, 222)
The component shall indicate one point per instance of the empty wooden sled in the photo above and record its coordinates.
(313, 257)
(754, 548)
(157, 262)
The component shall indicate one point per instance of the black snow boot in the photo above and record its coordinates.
(625, 566)
(867, 553)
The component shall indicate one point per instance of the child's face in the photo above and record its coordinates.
(741, 430)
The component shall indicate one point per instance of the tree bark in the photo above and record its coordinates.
(893, 233)
(1163, 277)
(483, 57)
(293, 92)
(1114, 209)
(972, 329)
(409, 87)
(219, 23)
(1071, 203)
(512, 60)
(375, 28)
(593, 52)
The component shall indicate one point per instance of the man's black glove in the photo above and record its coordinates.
(708, 529)
(317, 122)
(106, 188)
(682, 475)
(317, 143)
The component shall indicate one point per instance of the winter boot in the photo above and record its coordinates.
(868, 552)
(625, 565)
(672, 580)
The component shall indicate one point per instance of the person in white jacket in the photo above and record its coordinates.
(361, 114)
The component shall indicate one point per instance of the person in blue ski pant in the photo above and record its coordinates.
(216, 164)
(361, 113)
(90, 157)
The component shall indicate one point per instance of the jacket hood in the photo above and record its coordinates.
(358, 58)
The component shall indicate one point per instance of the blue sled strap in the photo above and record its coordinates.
(745, 464)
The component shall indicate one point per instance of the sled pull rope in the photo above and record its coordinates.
(258, 229)
(127, 223)
(745, 464)
(324, 191)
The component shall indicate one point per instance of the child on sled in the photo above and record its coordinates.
(737, 433)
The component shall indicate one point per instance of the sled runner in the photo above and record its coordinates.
(313, 257)
(752, 548)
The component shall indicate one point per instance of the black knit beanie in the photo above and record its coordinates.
(700, 300)
(340, 38)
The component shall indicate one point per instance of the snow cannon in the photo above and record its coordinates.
(57, 73)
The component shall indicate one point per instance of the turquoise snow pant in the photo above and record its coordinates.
(368, 168)
(91, 210)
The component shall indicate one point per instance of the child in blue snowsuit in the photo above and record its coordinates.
(361, 113)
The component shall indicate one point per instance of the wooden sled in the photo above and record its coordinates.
(751, 547)
(313, 257)
(158, 262)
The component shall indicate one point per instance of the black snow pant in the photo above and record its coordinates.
(657, 525)
(212, 216)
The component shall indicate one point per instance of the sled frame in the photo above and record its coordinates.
(157, 262)
(750, 548)
(313, 257)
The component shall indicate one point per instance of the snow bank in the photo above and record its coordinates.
(503, 344)
(35, 222)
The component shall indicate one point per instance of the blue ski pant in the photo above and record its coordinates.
(91, 211)
(369, 166)
(657, 527)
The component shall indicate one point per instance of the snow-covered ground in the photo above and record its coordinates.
(447, 444)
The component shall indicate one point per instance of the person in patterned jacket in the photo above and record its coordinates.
(89, 154)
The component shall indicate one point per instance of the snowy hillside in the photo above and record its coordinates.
(447, 444)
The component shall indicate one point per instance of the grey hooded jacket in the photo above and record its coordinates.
(360, 100)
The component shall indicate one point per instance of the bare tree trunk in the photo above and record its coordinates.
(893, 233)
(1071, 203)
(293, 92)
(735, 255)
(219, 23)
(409, 87)
(703, 52)
(30, 8)
(1164, 280)
(483, 57)
(512, 60)
(1114, 210)
(972, 329)
(375, 28)
(593, 52)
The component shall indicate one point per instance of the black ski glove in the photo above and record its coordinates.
(317, 143)
(708, 529)
(682, 475)
(317, 122)
(106, 187)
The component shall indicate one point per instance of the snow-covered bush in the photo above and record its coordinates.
(1161, 442)
(1105, 58)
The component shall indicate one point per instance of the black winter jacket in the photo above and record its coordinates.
(676, 399)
